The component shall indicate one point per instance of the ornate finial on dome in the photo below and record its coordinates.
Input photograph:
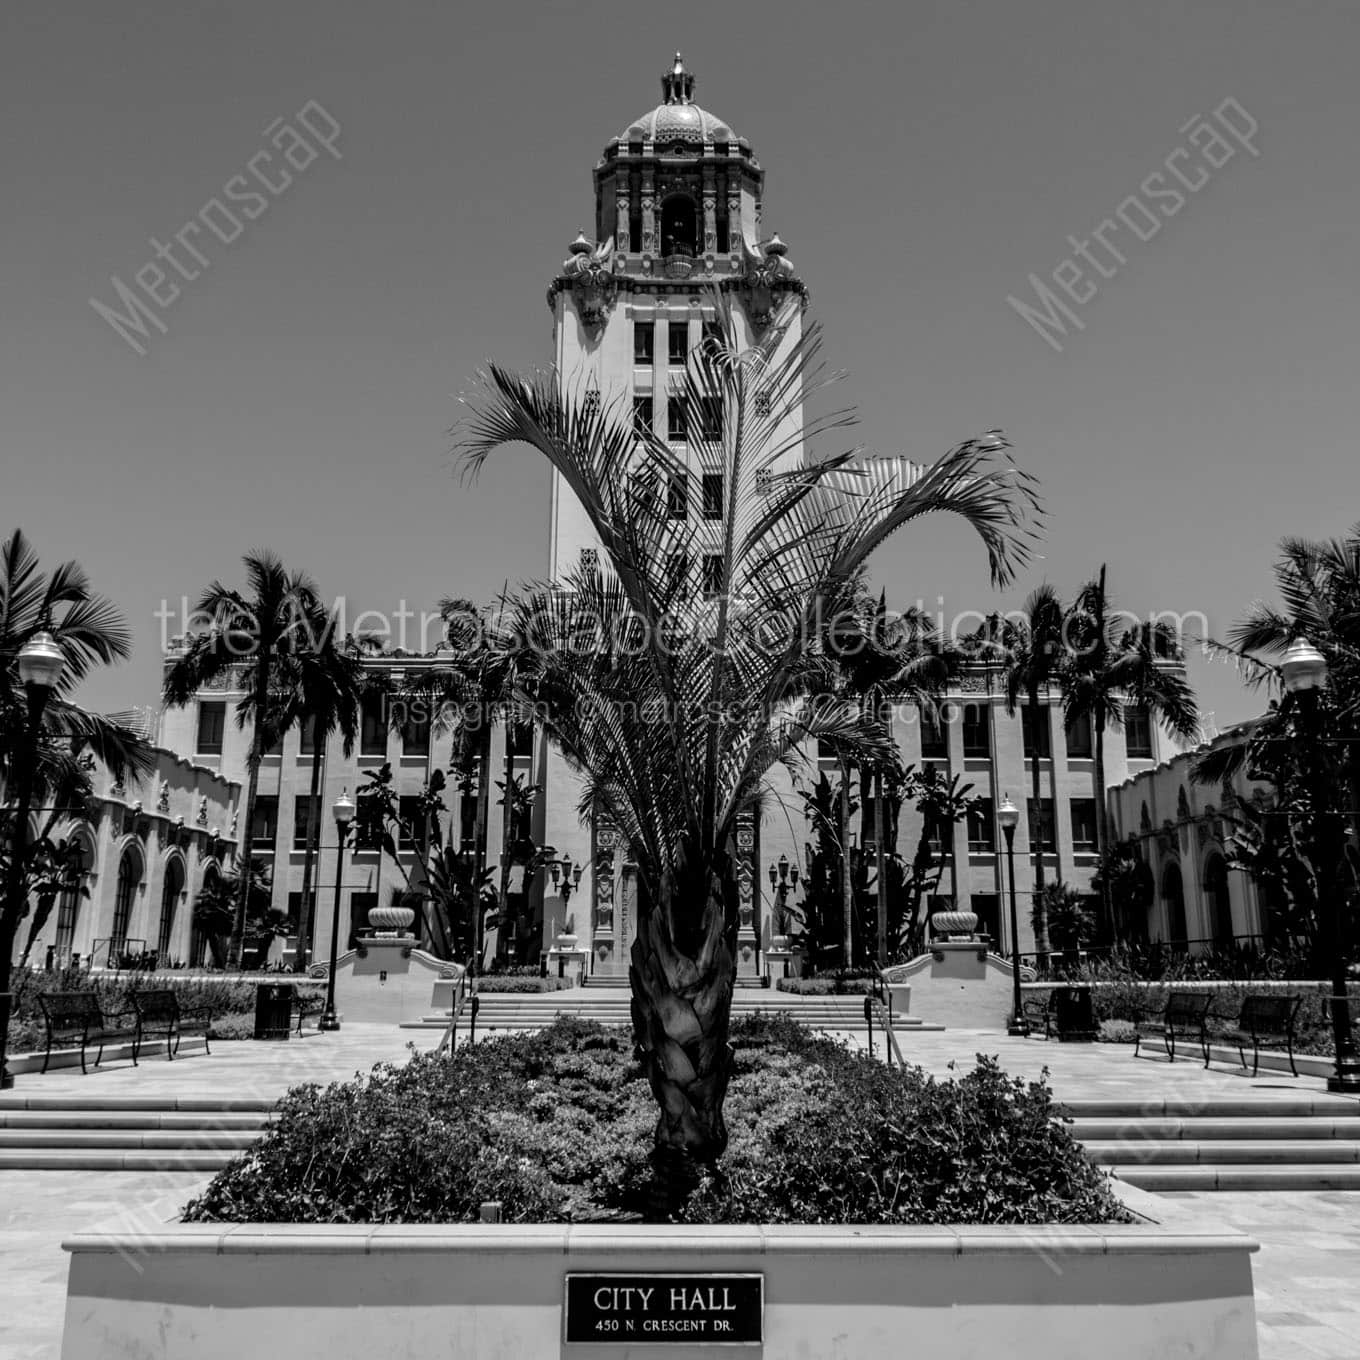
(580, 246)
(774, 246)
(677, 85)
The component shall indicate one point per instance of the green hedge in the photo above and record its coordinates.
(557, 1125)
(825, 986)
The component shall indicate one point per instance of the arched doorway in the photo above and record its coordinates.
(129, 875)
(679, 226)
(1217, 903)
(170, 895)
(1173, 894)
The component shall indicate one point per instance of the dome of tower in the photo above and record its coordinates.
(678, 118)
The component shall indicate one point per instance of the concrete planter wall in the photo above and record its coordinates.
(218, 1292)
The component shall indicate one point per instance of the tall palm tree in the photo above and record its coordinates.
(90, 632)
(1031, 656)
(278, 616)
(1108, 668)
(322, 685)
(674, 706)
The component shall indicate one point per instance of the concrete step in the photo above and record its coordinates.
(1198, 1130)
(93, 1118)
(87, 1159)
(1245, 1107)
(21, 1100)
(1240, 1177)
(205, 1140)
(1263, 1152)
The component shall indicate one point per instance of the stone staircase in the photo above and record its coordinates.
(126, 1133)
(607, 1000)
(1309, 1141)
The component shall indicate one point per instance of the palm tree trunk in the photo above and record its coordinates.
(507, 830)
(881, 854)
(847, 886)
(1038, 912)
(1102, 829)
(313, 837)
(681, 1008)
(483, 807)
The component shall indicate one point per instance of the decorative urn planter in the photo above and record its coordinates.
(565, 941)
(780, 943)
(954, 923)
(390, 920)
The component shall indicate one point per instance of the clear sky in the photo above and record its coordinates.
(922, 161)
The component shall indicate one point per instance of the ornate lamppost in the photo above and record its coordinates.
(343, 812)
(1009, 817)
(41, 663)
(1304, 672)
(783, 880)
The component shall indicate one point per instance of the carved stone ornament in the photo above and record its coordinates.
(1202, 834)
(607, 838)
(589, 273)
(163, 796)
(202, 818)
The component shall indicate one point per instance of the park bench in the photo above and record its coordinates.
(1040, 1013)
(159, 1013)
(77, 1018)
(1265, 1017)
(1185, 1016)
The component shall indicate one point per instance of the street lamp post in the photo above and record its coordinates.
(1009, 817)
(343, 812)
(1304, 672)
(41, 663)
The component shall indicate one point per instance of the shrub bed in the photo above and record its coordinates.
(509, 982)
(557, 1126)
(825, 986)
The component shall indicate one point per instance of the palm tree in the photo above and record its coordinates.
(278, 617)
(1319, 585)
(673, 705)
(323, 689)
(1107, 669)
(1031, 659)
(90, 632)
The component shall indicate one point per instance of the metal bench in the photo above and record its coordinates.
(1265, 1017)
(1186, 1015)
(159, 1013)
(76, 1018)
(1040, 1013)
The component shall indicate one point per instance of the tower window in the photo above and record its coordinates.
(677, 341)
(713, 495)
(711, 419)
(212, 719)
(712, 575)
(644, 340)
(642, 415)
(679, 226)
(677, 496)
(677, 418)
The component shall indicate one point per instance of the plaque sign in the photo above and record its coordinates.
(725, 1310)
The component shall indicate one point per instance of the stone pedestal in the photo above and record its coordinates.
(958, 983)
(568, 961)
(777, 963)
(386, 979)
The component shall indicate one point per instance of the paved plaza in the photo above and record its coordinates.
(1307, 1273)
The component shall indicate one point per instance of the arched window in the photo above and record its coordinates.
(174, 885)
(129, 872)
(198, 937)
(1173, 894)
(1217, 901)
(68, 905)
(679, 226)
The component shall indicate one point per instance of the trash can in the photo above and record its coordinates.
(273, 1010)
(1076, 1021)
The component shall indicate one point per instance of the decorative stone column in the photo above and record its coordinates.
(602, 942)
(649, 246)
(747, 944)
(622, 216)
(710, 212)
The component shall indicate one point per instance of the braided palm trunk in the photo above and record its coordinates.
(682, 1003)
